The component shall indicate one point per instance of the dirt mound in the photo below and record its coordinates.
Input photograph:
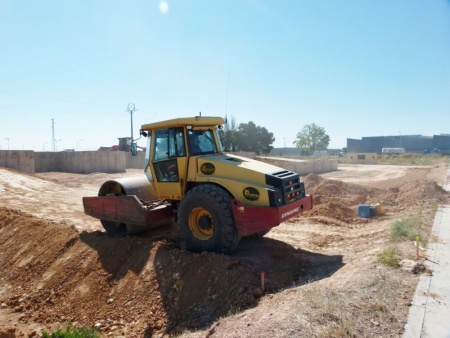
(340, 200)
(417, 192)
(55, 275)
(336, 202)
(334, 211)
(61, 276)
(326, 190)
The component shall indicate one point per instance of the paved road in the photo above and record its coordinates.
(429, 315)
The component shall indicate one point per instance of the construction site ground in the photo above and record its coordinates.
(322, 276)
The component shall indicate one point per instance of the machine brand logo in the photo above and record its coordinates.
(208, 168)
(290, 212)
(251, 194)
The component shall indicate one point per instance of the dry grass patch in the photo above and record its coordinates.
(372, 310)
(332, 315)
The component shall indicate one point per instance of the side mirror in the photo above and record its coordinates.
(133, 148)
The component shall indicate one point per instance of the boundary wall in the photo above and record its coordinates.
(86, 162)
(81, 162)
(20, 160)
(303, 167)
(135, 162)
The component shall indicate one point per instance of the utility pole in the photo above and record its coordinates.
(7, 138)
(53, 136)
(131, 109)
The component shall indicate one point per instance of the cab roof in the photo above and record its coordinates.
(185, 121)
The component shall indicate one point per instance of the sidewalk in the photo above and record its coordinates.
(429, 315)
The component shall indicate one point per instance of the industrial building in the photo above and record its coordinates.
(411, 144)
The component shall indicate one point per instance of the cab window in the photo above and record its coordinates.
(201, 142)
(169, 143)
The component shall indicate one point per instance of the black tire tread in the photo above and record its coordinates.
(218, 202)
(113, 230)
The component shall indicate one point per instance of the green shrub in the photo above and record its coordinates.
(406, 228)
(389, 257)
(70, 332)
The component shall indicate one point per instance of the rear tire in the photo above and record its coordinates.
(206, 220)
(114, 229)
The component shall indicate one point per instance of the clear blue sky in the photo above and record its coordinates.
(354, 67)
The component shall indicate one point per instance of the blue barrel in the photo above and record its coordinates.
(364, 211)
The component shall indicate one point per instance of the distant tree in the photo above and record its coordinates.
(246, 137)
(312, 138)
(253, 138)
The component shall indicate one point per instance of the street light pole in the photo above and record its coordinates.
(131, 109)
(6, 138)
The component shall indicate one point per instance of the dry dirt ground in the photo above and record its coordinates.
(322, 276)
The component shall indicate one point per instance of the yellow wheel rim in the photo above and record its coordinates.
(201, 224)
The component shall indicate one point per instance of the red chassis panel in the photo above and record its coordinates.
(251, 219)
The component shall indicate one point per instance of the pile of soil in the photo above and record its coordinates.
(130, 286)
(339, 200)
(335, 199)
(56, 275)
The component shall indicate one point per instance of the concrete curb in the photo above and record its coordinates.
(429, 315)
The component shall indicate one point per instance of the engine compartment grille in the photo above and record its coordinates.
(287, 185)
